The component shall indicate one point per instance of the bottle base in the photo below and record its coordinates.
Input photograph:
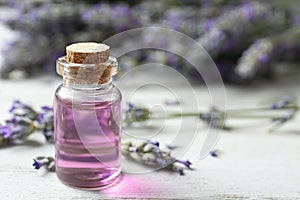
(84, 181)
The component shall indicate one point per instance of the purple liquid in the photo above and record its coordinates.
(87, 142)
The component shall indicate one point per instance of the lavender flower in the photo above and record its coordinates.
(134, 149)
(284, 103)
(236, 29)
(32, 22)
(258, 58)
(210, 2)
(146, 150)
(136, 114)
(255, 60)
(26, 121)
(279, 121)
(283, 119)
(152, 155)
(224, 35)
(214, 117)
(187, 163)
(172, 103)
(153, 142)
(23, 110)
(16, 130)
(42, 161)
(179, 170)
(189, 20)
(46, 122)
(171, 147)
(215, 153)
(224, 28)
(162, 162)
(37, 164)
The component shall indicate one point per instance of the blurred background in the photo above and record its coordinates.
(248, 40)
(256, 47)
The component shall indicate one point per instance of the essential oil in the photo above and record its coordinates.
(87, 118)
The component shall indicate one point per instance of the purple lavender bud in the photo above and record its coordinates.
(171, 102)
(20, 109)
(37, 164)
(284, 102)
(16, 130)
(45, 115)
(237, 28)
(181, 172)
(46, 122)
(47, 108)
(153, 142)
(249, 11)
(255, 60)
(133, 149)
(6, 131)
(209, 24)
(284, 118)
(171, 147)
(47, 162)
(177, 169)
(136, 114)
(215, 118)
(215, 153)
(187, 163)
(162, 162)
(49, 135)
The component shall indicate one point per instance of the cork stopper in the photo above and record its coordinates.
(87, 52)
(87, 63)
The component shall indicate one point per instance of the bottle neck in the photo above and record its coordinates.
(83, 75)
(71, 84)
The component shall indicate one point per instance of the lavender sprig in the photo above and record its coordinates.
(46, 162)
(225, 36)
(136, 114)
(285, 102)
(258, 58)
(214, 117)
(24, 122)
(68, 21)
(281, 111)
(16, 130)
(23, 110)
(149, 153)
(236, 29)
(215, 153)
(46, 122)
(224, 28)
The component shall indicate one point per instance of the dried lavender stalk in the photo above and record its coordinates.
(224, 36)
(264, 52)
(44, 28)
(233, 31)
(225, 28)
(26, 121)
(150, 153)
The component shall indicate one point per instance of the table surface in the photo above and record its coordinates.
(254, 164)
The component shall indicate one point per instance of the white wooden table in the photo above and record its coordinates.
(254, 165)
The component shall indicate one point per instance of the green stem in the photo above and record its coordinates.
(290, 107)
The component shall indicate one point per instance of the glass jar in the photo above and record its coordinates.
(87, 124)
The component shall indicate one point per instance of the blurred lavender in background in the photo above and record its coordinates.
(245, 38)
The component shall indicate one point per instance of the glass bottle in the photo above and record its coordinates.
(87, 118)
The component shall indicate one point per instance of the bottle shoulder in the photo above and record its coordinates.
(111, 94)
